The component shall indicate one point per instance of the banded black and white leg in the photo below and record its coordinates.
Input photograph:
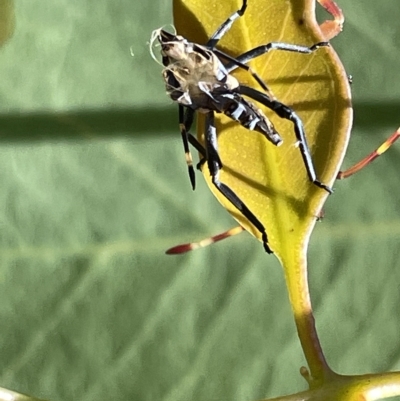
(225, 26)
(251, 54)
(241, 60)
(185, 123)
(186, 117)
(220, 32)
(214, 166)
(287, 113)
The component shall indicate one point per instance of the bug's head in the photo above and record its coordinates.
(173, 47)
(164, 37)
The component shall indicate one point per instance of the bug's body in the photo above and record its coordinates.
(196, 78)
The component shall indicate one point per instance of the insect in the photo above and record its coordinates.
(198, 78)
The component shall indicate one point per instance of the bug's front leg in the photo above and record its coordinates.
(225, 26)
(214, 166)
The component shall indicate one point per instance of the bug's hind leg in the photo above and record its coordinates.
(225, 26)
(287, 113)
(215, 166)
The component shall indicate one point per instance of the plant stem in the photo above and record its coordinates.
(297, 283)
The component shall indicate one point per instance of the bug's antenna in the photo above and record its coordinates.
(154, 36)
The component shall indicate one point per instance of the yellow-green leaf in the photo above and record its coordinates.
(272, 181)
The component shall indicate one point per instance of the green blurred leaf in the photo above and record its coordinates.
(94, 189)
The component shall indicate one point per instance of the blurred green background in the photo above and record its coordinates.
(94, 189)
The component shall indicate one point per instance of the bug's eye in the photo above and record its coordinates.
(165, 47)
(197, 58)
(174, 50)
(200, 52)
(171, 80)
